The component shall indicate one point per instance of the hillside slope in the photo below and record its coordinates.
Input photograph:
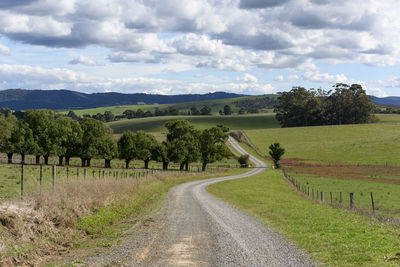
(20, 99)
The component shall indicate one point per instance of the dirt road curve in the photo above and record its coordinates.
(196, 229)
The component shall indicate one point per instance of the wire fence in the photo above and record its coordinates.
(17, 179)
(381, 204)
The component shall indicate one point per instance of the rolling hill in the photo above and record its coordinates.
(215, 105)
(21, 99)
(390, 100)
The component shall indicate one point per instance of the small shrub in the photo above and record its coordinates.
(244, 161)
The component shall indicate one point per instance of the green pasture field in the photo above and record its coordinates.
(234, 122)
(215, 105)
(333, 237)
(375, 143)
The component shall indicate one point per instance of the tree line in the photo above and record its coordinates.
(343, 105)
(41, 134)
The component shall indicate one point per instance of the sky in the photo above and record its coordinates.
(199, 46)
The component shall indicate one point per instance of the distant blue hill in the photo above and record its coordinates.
(22, 99)
(390, 100)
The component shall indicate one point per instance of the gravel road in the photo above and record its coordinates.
(195, 229)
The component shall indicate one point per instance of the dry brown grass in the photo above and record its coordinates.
(45, 223)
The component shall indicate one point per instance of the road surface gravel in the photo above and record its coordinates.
(194, 228)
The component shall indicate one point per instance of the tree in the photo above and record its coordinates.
(8, 127)
(148, 114)
(67, 134)
(161, 153)
(108, 116)
(172, 111)
(194, 110)
(299, 107)
(144, 144)
(130, 114)
(244, 161)
(40, 122)
(212, 146)
(346, 104)
(99, 117)
(127, 147)
(206, 110)
(185, 140)
(108, 150)
(23, 142)
(158, 112)
(139, 113)
(227, 110)
(94, 133)
(276, 152)
(349, 104)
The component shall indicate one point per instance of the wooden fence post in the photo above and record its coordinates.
(40, 177)
(22, 180)
(67, 172)
(322, 196)
(372, 202)
(351, 200)
(77, 172)
(331, 198)
(340, 198)
(308, 191)
(84, 173)
(53, 176)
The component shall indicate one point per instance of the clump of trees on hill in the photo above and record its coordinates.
(205, 110)
(343, 105)
(41, 134)
(256, 104)
(108, 116)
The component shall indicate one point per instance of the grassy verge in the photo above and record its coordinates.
(141, 200)
(331, 236)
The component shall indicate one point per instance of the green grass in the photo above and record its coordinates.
(234, 122)
(331, 236)
(377, 143)
(215, 105)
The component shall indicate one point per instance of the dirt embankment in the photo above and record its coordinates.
(46, 224)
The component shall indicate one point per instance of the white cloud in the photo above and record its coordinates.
(279, 78)
(4, 49)
(229, 35)
(316, 76)
(25, 76)
(88, 61)
(294, 31)
(247, 78)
